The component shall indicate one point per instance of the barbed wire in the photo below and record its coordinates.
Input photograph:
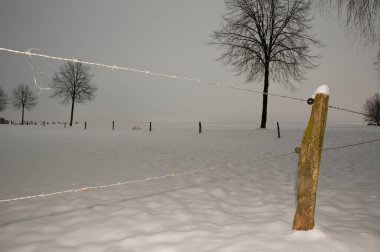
(145, 72)
(347, 110)
(351, 145)
(170, 76)
(171, 175)
(86, 188)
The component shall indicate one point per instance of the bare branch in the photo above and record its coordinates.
(362, 16)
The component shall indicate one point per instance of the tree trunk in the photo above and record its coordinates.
(22, 115)
(309, 163)
(265, 97)
(72, 113)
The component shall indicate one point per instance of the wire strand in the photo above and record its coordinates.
(170, 76)
(171, 175)
(146, 72)
(347, 110)
(351, 145)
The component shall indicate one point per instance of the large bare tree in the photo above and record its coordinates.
(372, 109)
(23, 98)
(3, 100)
(267, 39)
(73, 84)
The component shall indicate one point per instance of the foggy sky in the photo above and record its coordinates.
(166, 36)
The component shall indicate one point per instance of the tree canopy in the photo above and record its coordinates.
(73, 84)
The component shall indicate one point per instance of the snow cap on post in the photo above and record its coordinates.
(324, 89)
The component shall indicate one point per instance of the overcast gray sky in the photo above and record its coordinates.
(171, 37)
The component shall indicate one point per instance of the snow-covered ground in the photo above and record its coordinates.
(245, 201)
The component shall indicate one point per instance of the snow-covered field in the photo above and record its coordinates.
(244, 202)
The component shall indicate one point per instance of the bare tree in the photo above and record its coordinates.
(362, 16)
(23, 98)
(372, 109)
(73, 84)
(267, 39)
(3, 100)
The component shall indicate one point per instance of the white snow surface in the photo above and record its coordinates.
(246, 204)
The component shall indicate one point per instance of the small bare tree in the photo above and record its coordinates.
(72, 83)
(267, 39)
(23, 98)
(372, 109)
(3, 100)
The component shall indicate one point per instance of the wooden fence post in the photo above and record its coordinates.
(200, 127)
(150, 126)
(85, 125)
(278, 130)
(309, 161)
(113, 125)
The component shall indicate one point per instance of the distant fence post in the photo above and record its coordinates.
(150, 126)
(113, 125)
(200, 127)
(85, 125)
(309, 161)
(278, 130)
